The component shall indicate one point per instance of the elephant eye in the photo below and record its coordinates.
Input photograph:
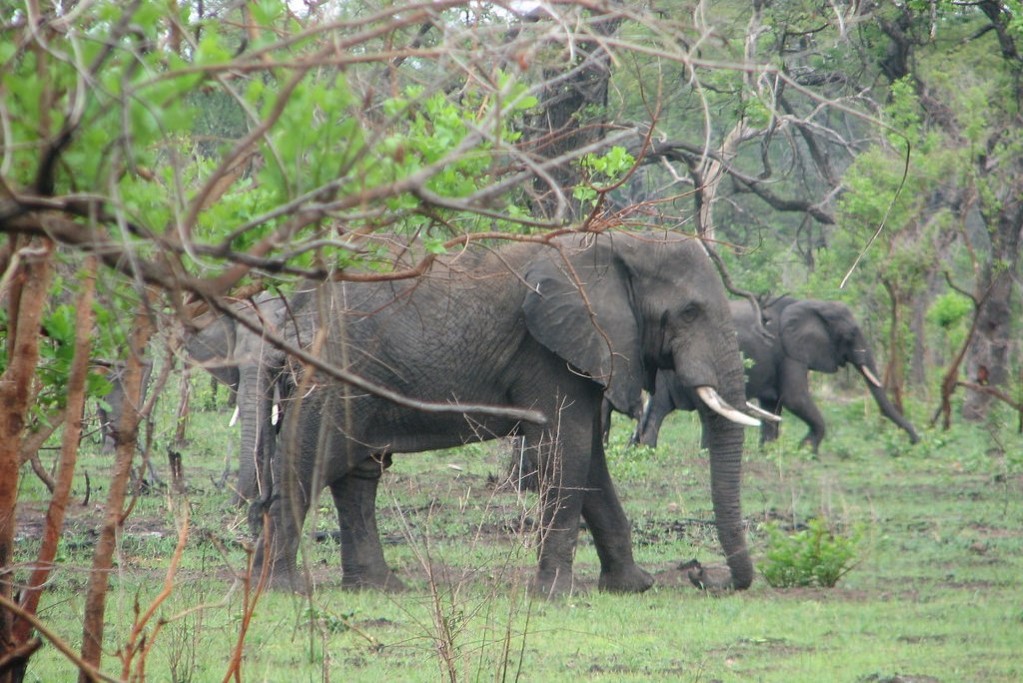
(690, 313)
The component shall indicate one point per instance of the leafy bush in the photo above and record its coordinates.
(949, 309)
(814, 556)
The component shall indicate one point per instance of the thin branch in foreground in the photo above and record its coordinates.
(86, 669)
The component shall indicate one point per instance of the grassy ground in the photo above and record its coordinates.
(934, 594)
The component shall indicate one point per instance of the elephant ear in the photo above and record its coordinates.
(597, 334)
(807, 337)
(214, 347)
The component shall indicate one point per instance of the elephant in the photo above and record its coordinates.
(240, 358)
(541, 325)
(804, 335)
(111, 407)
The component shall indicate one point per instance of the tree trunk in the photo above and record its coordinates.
(707, 172)
(126, 438)
(68, 454)
(892, 376)
(988, 359)
(31, 268)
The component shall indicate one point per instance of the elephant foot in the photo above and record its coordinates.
(283, 581)
(552, 584)
(810, 442)
(713, 579)
(277, 576)
(386, 582)
(633, 579)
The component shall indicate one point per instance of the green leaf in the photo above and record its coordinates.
(434, 245)
(264, 12)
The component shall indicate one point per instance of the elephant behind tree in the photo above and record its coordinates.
(240, 358)
(111, 408)
(545, 327)
(807, 335)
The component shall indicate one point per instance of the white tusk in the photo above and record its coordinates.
(870, 376)
(275, 414)
(234, 417)
(770, 417)
(718, 405)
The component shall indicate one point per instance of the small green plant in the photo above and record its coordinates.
(332, 623)
(949, 309)
(814, 556)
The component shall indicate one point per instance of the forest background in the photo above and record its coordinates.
(159, 160)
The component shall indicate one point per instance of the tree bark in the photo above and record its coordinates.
(32, 264)
(988, 358)
(1000, 170)
(126, 438)
(69, 451)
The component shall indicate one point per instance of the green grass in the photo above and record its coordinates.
(934, 591)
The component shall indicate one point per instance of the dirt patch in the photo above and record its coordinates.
(988, 531)
(695, 532)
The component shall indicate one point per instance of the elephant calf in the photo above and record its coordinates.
(807, 335)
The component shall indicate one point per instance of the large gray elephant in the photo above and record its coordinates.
(805, 335)
(540, 326)
(240, 358)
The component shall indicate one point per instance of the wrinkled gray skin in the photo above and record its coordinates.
(110, 417)
(507, 327)
(240, 358)
(808, 335)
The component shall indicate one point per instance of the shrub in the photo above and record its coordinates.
(814, 556)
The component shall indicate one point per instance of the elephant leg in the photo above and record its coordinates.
(795, 397)
(768, 429)
(293, 471)
(362, 556)
(611, 531)
(277, 547)
(105, 429)
(605, 420)
(658, 407)
(574, 481)
(560, 494)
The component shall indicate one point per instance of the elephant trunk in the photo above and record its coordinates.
(724, 438)
(889, 410)
(258, 433)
